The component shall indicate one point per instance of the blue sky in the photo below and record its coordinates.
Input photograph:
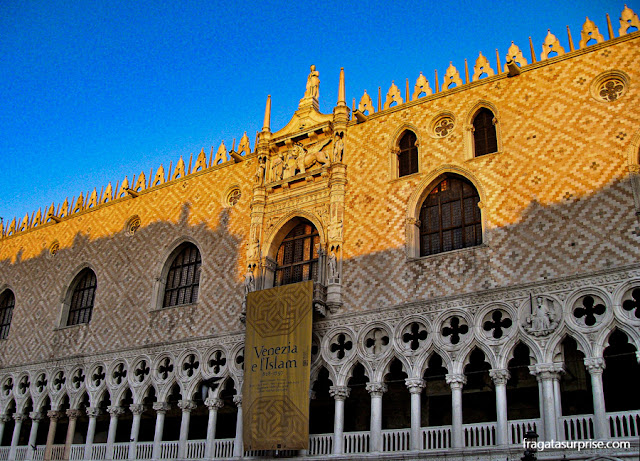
(93, 91)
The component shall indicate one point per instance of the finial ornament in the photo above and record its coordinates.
(266, 126)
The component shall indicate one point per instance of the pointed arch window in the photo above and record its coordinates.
(408, 155)
(450, 217)
(297, 258)
(183, 278)
(7, 303)
(485, 139)
(81, 304)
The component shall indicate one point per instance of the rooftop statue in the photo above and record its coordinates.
(313, 84)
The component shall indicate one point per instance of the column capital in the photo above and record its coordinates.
(161, 407)
(500, 376)
(237, 399)
(595, 365)
(115, 411)
(545, 371)
(137, 408)
(93, 412)
(415, 385)
(54, 415)
(5, 418)
(74, 413)
(213, 403)
(339, 392)
(187, 405)
(376, 389)
(36, 416)
(456, 380)
(19, 417)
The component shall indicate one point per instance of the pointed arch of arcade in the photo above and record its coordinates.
(422, 191)
(280, 232)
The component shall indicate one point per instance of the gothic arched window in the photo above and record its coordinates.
(183, 278)
(408, 155)
(7, 302)
(297, 259)
(450, 217)
(485, 139)
(81, 303)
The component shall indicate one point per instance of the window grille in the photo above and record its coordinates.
(450, 217)
(183, 279)
(7, 302)
(297, 259)
(82, 298)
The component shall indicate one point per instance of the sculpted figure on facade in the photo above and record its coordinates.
(277, 167)
(338, 148)
(259, 178)
(313, 84)
(332, 262)
(542, 319)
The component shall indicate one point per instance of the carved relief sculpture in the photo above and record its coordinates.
(542, 319)
(338, 148)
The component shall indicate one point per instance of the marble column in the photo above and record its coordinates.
(4, 419)
(161, 409)
(35, 417)
(187, 406)
(137, 410)
(15, 438)
(53, 416)
(500, 378)
(114, 413)
(376, 391)
(73, 415)
(238, 448)
(92, 413)
(415, 386)
(213, 404)
(456, 381)
(339, 394)
(546, 373)
(595, 366)
(557, 397)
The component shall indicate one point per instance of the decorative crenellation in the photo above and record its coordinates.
(91, 200)
(482, 68)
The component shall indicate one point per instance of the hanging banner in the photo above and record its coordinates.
(277, 361)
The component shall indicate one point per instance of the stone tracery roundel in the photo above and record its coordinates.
(376, 341)
(7, 386)
(413, 337)
(141, 370)
(23, 384)
(217, 362)
(631, 304)
(340, 347)
(442, 125)
(497, 325)
(58, 381)
(164, 368)
(77, 378)
(96, 377)
(589, 311)
(40, 384)
(610, 86)
(189, 366)
(118, 375)
(540, 316)
(455, 331)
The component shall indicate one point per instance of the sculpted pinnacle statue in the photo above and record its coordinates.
(313, 84)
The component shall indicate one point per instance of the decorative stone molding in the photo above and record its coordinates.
(73, 413)
(595, 365)
(115, 411)
(17, 417)
(376, 389)
(187, 405)
(161, 407)
(415, 385)
(339, 392)
(93, 412)
(456, 380)
(137, 408)
(213, 403)
(54, 415)
(500, 376)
